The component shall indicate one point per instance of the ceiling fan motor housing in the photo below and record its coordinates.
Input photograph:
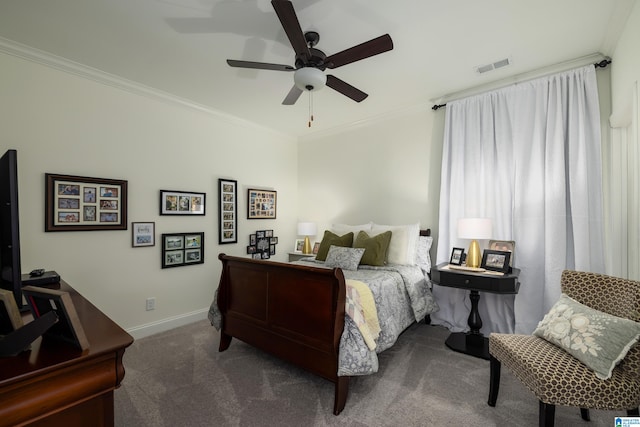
(309, 78)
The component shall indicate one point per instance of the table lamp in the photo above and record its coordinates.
(307, 229)
(474, 229)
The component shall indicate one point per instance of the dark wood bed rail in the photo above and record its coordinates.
(293, 311)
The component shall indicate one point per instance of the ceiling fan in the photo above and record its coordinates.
(310, 63)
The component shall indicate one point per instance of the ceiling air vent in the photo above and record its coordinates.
(481, 69)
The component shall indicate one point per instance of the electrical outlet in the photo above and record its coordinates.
(151, 303)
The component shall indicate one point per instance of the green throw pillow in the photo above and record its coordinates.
(597, 339)
(335, 240)
(375, 248)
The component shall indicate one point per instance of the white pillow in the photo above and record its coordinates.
(423, 256)
(404, 242)
(342, 229)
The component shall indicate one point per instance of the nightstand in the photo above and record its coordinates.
(297, 256)
(473, 342)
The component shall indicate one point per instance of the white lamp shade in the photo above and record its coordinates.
(307, 229)
(309, 78)
(474, 228)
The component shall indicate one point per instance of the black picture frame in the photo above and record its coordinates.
(496, 260)
(81, 203)
(261, 204)
(68, 328)
(262, 244)
(181, 249)
(457, 256)
(227, 211)
(182, 203)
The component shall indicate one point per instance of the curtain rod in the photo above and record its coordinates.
(600, 64)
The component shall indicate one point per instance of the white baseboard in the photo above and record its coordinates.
(152, 328)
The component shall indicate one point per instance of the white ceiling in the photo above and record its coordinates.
(180, 47)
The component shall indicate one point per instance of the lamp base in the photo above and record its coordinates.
(475, 255)
(306, 249)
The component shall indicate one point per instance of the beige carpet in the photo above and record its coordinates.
(178, 378)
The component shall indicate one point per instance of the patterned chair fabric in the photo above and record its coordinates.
(556, 377)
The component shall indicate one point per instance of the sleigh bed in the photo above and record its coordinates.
(310, 315)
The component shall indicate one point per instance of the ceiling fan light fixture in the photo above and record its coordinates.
(309, 79)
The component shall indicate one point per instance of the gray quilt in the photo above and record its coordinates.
(402, 295)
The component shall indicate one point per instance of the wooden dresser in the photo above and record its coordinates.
(55, 384)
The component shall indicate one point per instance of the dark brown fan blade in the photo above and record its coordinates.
(292, 96)
(345, 88)
(259, 65)
(291, 25)
(356, 53)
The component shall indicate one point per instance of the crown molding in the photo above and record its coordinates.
(68, 66)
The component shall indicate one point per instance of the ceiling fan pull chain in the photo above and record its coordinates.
(310, 107)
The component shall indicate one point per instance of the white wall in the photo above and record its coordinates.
(386, 171)
(65, 124)
(623, 160)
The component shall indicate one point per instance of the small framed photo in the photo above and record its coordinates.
(227, 211)
(68, 328)
(261, 204)
(457, 256)
(80, 203)
(10, 317)
(299, 245)
(496, 260)
(316, 246)
(143, 234)
(181, 203)
(504, 245)
(180, 249)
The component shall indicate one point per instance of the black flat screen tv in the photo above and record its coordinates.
(10, 273)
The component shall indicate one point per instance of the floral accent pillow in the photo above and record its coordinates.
(597, 339)
(344, 258)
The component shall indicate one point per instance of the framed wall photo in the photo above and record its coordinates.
(496, 260)
(79, 203)
(261, 204)
(457, 256)
(181, 203)
(504, 245)
(262, 244)
(143, 234)
(227, 211)
(180, 249)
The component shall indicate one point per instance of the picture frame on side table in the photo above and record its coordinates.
(68, 328)
(227, 211)
(496, 260)
(143, 234)
(504, 245)
(299, 245)
(80, 203)
(457, 256)
(181, 203)
(180, 249)
(261, 204)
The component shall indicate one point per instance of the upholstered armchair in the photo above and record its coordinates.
(552, 372)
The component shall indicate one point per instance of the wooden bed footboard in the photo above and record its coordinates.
(292, 311)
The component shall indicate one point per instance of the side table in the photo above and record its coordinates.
(473, 342)
(297, 256)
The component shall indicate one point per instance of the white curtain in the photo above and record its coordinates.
(528, 157)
